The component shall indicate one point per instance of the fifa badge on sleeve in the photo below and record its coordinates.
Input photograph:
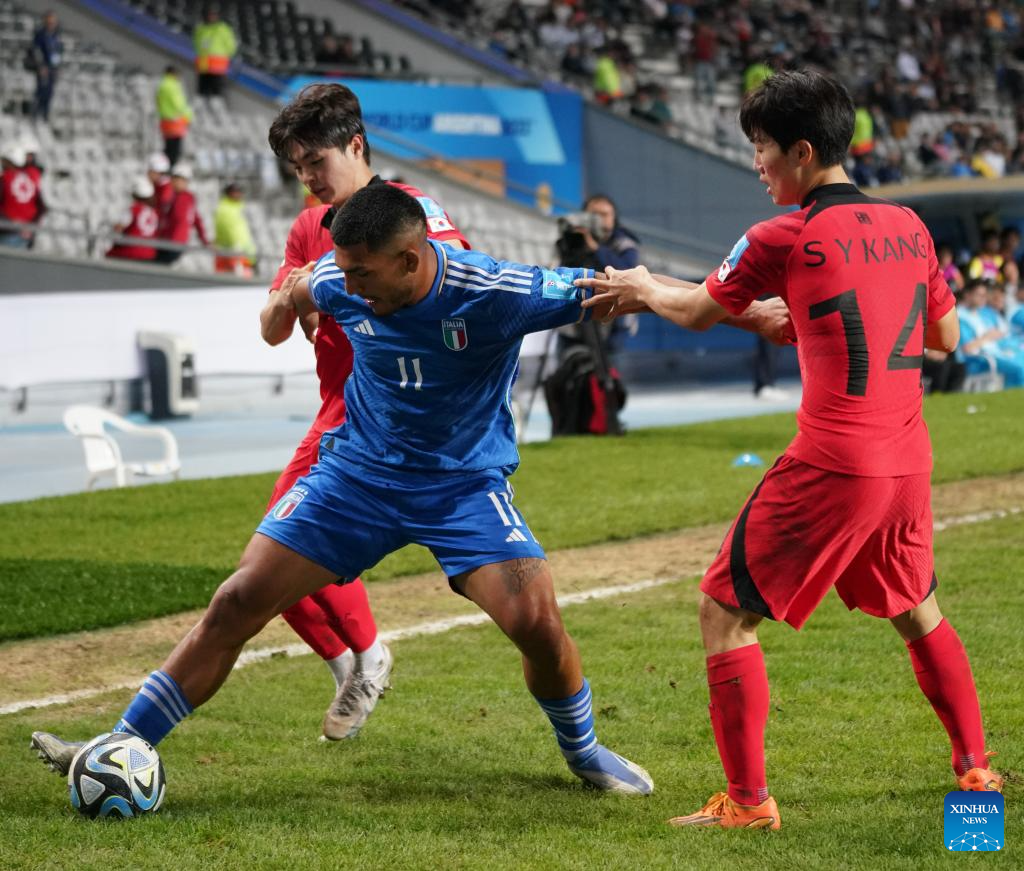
(973, 822)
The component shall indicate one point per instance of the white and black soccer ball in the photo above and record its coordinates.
(116, 775)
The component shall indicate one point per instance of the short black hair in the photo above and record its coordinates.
(801, 104)
(599, 196)
(376, 215)
(320, 116)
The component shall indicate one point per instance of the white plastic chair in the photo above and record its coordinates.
(102, 453)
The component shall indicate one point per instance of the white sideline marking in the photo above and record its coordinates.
(979, 517)
(248, 657)
(436, 627)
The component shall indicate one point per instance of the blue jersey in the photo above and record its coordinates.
(431, 383)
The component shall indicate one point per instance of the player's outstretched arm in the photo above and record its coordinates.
(630, 290)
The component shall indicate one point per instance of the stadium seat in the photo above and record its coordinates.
(103, 454)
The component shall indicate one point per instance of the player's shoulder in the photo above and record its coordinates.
(474, 271)
(325, 269)
(309, 220)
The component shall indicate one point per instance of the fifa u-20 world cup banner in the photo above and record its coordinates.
(535, 136)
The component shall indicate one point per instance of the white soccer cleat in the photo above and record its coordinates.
(612, 773)
(357, 698)
(55, 752)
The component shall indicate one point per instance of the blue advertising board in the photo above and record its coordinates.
(536, 134)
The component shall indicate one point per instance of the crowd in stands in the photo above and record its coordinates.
(990, 304)
(938, 83)
(163, 208)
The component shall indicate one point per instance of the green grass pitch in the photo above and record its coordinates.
(458, 768)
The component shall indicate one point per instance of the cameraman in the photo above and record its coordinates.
(585, 393)
(594, 238)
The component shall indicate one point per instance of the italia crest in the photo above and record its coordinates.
(454, 331)
(289, 502)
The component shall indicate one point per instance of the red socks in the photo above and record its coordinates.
(334, 619)
(738, 682)
(944, 674)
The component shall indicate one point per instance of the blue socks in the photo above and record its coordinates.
(573, 720)
(158, 707)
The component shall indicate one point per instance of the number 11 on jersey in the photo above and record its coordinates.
(418, 383)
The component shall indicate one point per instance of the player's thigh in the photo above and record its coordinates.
(470, 521)
(270, 578)
(894, 571)
(792, 540)
(334, 518)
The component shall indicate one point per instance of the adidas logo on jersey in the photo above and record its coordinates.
(366, 328)
(516, 535)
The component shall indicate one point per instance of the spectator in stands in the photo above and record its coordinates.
(215, 44)
(942, 372)
(983, 337)
(158, 172)
(46, 54)
(705, 61)
(608, 75)
(863, 141)
(987, 262)
(865, 172)
(231, 234)
(891, 172)
(648, 104)
(21, 198)
(336, 56)
(174, 112)
(141, 222)
(180, 216)
(950, 271)
(755, 75)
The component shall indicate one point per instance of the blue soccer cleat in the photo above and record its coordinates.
(609, 771)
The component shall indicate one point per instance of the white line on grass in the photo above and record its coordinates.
(248, 657)
(434, 627)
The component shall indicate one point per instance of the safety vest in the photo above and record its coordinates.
(215, 46)
(172, 107)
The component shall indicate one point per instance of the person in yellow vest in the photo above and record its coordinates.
(231, 233)
(863, 141)
(174, 111)
(215, 44)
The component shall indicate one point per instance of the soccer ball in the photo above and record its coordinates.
(116, 775)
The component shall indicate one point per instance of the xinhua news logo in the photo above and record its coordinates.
(974, 822)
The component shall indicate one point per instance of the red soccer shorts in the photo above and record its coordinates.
(804, 530)
(305, 456)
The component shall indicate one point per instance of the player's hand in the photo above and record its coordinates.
(776, 324)
(616, 291)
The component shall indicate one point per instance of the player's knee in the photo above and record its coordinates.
(232, 612)
(538, 629)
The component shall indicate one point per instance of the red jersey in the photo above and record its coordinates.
(142, 224)
(21, 197)
(180, 217)
(308, 240)
(861, 280)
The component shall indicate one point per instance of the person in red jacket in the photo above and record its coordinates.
(158, 172)
(142, 222)
(21, 198)
(180, 215)
(321, 136)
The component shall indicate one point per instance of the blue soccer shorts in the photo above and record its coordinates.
(347, 518)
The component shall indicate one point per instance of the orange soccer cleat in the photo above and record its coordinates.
(981, 779)
(722, 811)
